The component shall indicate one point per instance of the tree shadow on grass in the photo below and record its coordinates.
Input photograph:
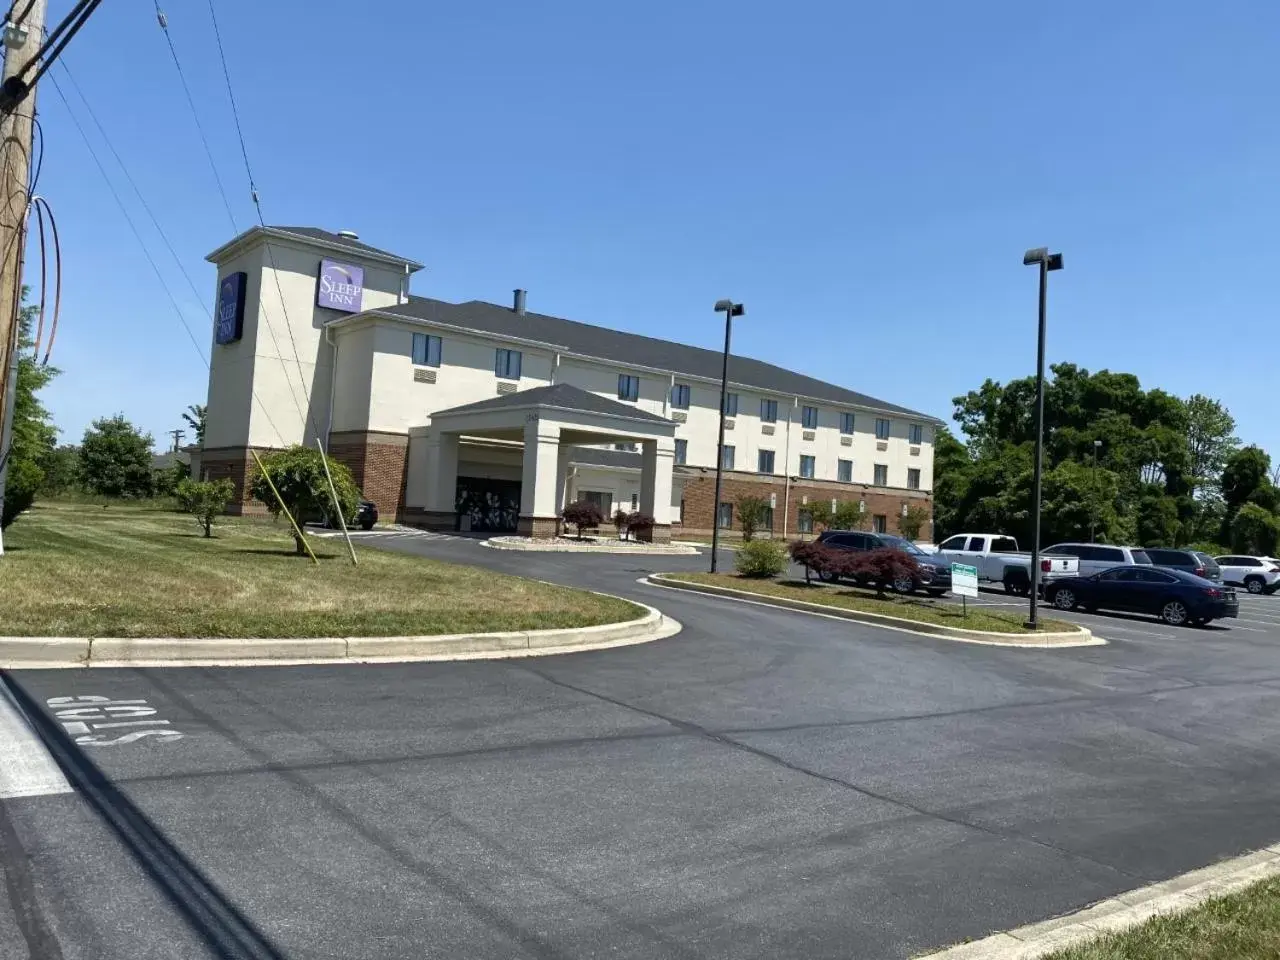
(286, 552)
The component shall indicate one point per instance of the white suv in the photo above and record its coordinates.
(1096, 557)
(1257, 574)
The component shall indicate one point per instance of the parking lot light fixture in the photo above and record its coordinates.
(730, 310)
(1046, 261)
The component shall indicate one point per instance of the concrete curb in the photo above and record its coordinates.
(1076, 638)
(1120, 912)
(42, 652)
(552, 546)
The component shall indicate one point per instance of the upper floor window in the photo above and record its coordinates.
(882, 429)
(881, 475)
(806, 465)
(726, 457)
(768, 411)
(764, 461)
(680, 396)
(506, 364)
(846, 423)
(628, 387)
(426, 350)
(682, 451)
(809, 418)
(730, 404)
(915, 434)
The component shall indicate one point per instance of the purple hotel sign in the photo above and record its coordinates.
(230, 322)
(341, 286)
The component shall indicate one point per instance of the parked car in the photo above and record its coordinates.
(1192, 561)
(1096, 557)
(931, 576)
(1175, 596)
(1255, 574)
(999, 560)
(366, 516)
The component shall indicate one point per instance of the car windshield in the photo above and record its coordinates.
(906, 546)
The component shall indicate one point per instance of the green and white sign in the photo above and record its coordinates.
(964, 580)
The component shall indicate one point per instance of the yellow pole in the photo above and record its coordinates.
(293, 523)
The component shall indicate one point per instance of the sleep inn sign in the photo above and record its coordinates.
(341, 286)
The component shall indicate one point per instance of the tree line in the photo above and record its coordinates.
(1121, 465)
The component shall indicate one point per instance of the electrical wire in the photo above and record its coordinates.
(17, 21)
(57, 289)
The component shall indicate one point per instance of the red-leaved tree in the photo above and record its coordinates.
(582, 513)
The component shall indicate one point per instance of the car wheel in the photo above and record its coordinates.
(904, 585)
(826, 577)
(1064, 598)
(366, 523)
(1255, 585)
(1009, 588)
(1174, 613)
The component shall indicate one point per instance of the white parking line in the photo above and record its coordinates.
(26, 768)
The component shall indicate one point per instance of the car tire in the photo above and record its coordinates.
(826, 577)
(1064, 598)
(1255, 585)
(1174, 613)
(366, 524)
(904, 585)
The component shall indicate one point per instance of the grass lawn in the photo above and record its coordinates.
(856, 598)
(1239, 926)
(132, 570)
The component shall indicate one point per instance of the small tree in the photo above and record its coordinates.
(883, 567)
(1255, 531)
(751, 514)
(620, 518)
(848, 515)
(760, 558)
(639, 524)
(582, 513)
(115, 459)
(205, 499)
(298, 473)
(912, 522)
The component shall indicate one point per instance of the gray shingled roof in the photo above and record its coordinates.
(561, 395)
(356, 246)
(624, 348)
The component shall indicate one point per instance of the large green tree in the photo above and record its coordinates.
(1210, 442)
(299, 476)
(34, 434)
(115, 458)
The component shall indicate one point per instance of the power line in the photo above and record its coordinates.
(17, 87)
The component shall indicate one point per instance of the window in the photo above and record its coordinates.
(680, 396)
(682, 451)
(635, 502)
(628, 387)
(764, 461)
(766, 519)
(726, 457)
(426, 350)
(809, 418)
(880, 523)
(882, 429)
(1112, 554)
(915, 434)
(768, 411)
(1004, 545)
(804, 522)
(507, 364)
(1140, 556)
(730, 404)
(724, 516)
(1155, 576)
(846, 423)
(954, 543)
(627, 446)
(881, 475)
(913, 478)
(603, 499)
(844, 471)
(976, 544)
(806, 466)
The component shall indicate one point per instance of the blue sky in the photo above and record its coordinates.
(865, 177)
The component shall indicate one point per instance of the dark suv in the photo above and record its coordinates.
(1192, 561)
(931, 576)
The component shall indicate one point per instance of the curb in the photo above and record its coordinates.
(1120, 912)
(1040, 641)
(42, 652)
(673, 550)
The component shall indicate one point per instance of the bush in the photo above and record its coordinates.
(751, 513)
(20, 489)
(582, 513)
(115, 459)
(761, 558)
(639, 523)
(1204, 546)
(882, 567)
(620, 518)
(299, 474)
(1255, 530)
(205, 499)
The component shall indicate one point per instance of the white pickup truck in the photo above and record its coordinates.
(999, 560)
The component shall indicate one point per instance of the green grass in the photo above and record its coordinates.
(856, 598)
(131, 570)
(1239, 926)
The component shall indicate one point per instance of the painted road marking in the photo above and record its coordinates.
(81, 716)
(26, 768)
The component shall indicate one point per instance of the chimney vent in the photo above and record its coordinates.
(349, 234)
(518, 306)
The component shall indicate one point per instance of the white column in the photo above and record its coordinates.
(562, 477)
(442, 473)
(538, 493)
(656, 460)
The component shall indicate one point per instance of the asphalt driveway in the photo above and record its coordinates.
(764, 784)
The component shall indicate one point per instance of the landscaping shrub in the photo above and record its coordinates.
(582, 513)
(299, 475)
(751, 513)
(810, 554)
(205, 500)
(638, 523)
(882, 567)
(761, 558)
(620, 518)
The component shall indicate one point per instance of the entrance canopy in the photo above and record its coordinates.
(549, 421)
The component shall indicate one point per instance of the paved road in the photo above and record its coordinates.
(765, 784)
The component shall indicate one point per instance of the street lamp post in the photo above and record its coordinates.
(1046, 261)
(1093, 510)
(730, 310)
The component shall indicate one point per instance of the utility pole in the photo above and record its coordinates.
(22, 42)
(177, 435)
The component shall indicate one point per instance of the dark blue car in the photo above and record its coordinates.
(1175, 596)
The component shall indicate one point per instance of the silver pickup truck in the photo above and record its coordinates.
(999, 560)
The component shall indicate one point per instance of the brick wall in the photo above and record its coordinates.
(699, 500)
(234, 464)
(378, 463)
